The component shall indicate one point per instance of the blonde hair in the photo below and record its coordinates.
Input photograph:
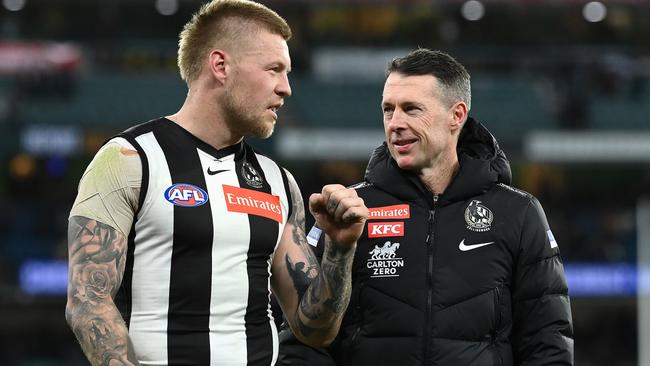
(223, 24)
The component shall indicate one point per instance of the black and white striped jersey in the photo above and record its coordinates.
(197, 282)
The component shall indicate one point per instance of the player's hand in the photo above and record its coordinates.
(340, 213)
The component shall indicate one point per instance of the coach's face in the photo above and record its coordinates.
(258, 85)
(419, 126)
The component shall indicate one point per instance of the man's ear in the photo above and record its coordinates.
(459, 115)
(218, 65)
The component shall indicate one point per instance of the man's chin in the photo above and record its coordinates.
(266, 135)
(405, 164)
(263, 133)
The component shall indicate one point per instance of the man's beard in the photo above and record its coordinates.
(240, 121)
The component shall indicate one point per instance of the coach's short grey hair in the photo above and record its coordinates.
(452, 74)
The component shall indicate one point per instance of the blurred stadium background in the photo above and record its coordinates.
(563, 84)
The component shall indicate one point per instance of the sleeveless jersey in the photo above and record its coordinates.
(197, 282)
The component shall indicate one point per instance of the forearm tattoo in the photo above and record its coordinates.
(337, 266)
(323, 291)
(97, 256)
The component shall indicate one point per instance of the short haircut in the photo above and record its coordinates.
(452, 75)
(223, 24)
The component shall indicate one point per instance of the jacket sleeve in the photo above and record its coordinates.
(542, 326)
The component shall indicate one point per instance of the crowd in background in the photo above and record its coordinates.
(572, 68)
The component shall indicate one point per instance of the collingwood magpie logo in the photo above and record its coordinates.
(251, 176)
(478, 217)
(384, 261)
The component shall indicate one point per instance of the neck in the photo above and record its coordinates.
(438, 176)
(201, 116)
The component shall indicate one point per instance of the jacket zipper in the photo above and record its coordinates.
(429, 310)
(497, 303)
(497, 318)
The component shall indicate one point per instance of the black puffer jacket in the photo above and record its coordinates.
(473, 277)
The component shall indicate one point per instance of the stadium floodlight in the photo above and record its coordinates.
(14, 5)
(167, 7)
(473, 10)
(594, 11)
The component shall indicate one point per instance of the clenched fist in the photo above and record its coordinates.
(340, 213)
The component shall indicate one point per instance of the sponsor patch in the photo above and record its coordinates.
(252, 202)
(186, 195)
(383, 261)
(402, 211)
(384, 229)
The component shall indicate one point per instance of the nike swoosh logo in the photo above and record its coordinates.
(213, 172)
(465, 248)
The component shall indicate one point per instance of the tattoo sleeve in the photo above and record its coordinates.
(323, 290)
(97, 256)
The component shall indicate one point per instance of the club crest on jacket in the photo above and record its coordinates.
(478, 217)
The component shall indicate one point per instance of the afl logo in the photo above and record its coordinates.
(186, 195)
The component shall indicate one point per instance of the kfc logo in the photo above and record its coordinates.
(384, 229)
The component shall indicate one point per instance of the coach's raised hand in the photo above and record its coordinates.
(340, 213)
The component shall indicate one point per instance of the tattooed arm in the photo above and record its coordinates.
(314, 297)
(100, 217)
(97, 256)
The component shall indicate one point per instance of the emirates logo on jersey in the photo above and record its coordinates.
(252, 202)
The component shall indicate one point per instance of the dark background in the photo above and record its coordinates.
(73, 73)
